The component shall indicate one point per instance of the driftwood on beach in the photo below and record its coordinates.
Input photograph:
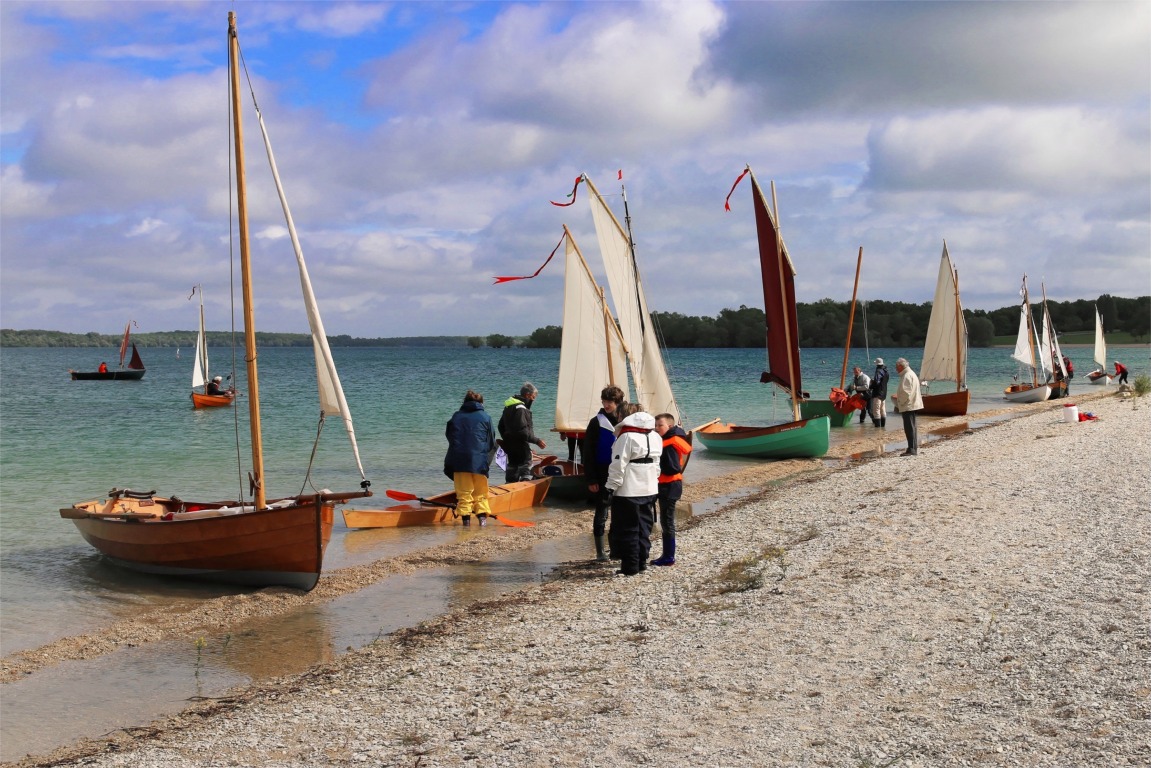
(982, 603)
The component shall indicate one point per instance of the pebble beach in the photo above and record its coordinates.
(983, 603)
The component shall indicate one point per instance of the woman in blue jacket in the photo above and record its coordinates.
(471, 440)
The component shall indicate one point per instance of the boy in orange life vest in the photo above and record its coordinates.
(671, 461)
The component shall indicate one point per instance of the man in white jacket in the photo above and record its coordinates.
(633, 480)
(908, 402)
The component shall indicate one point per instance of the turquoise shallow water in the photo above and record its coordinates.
(63, 441)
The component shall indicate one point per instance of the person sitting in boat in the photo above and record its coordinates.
(214, 387)
(103, 368)
(1120, 372)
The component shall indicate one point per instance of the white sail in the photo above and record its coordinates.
(1022, 351)
(1100, 356)
(592, 352)
(1051, 356)
(332, 400)
(945, 350)
(652, 387)
(200, 367)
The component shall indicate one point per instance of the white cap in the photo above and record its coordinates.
(879, 361)
(217, 378)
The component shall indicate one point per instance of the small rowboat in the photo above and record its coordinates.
(440, 509)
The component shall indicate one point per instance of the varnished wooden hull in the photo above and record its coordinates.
(946, 403)
(282, 546)
(1102, 380)
(807, 438)
(211, 401)
(1026, 393)
(501, 498)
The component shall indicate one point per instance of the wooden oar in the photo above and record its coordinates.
(401, 496)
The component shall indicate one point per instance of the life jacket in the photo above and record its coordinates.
(643, 431)
(1070, 366)
(675, 451)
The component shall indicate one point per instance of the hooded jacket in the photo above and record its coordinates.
(634, 469)
(471, 440)
(517, 430)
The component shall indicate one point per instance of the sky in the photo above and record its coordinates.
(420, 143)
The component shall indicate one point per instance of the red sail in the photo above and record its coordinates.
(778, 299)
(124, 343)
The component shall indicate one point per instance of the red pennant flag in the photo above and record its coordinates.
(727, 200)
(620, 177)
(499, 280)
(571, 194)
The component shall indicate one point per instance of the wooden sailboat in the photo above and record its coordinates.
(253, 541)
(1100, 375)
(839, 408)
(200, 370)
(1025, 353)
(592, 356)
(945, 349)
(440, 509)
(134, 372)
(597, 350)
(800, 438)
(1050, 355)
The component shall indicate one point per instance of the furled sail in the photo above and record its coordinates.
(332, 400)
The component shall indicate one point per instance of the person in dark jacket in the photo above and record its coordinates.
(517, 434)
(597, 442)
(879, 394)
(471, 441)
(671, 462)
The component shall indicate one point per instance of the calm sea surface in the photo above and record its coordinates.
(64, 441)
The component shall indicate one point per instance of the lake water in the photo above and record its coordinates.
(63, 441)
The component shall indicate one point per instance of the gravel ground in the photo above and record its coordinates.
(983, 603)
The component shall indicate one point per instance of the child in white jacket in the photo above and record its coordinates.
(633, 479)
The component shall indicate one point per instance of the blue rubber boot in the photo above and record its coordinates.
(668, 556)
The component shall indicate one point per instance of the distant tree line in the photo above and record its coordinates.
(887, 323)
(821, 324)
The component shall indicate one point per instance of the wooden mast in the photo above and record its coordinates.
(257, 475)
(851, 319)
(959, 373)
(783, 292)
(1030, 333)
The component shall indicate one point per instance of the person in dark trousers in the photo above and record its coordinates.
(633, 480)
(598, 439)
(517, 433)
(471, 440)
(908, 402)
(879, 394)
(214, 387)
(1120, 372)
(671, 462)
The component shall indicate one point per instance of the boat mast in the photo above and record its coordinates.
(202, 348)
(1030, 332)
(851, 319)
(960, 374)
(256, 477)
(634, 266)
(783, 292)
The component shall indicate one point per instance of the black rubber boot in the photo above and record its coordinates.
(883, 422)
(600, 554)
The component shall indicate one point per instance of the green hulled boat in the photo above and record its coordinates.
(808, 438)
